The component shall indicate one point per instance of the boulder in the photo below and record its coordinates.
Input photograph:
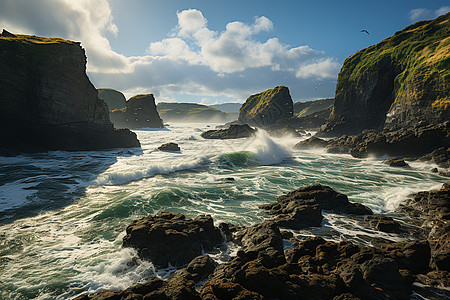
(169, 147)
(267, 108)
(171, 238)
(140, 112)
(305, 204)
(47, 101)
(311, 143)
(383, 223)
(396, 162)
(235, 131)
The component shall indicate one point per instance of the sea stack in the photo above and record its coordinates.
(112, 97)
(266, 108)
(140, 112)
(47, 101)
(398, 83)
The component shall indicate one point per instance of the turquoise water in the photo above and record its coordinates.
(63, 215)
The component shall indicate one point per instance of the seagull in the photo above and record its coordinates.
(365, 31)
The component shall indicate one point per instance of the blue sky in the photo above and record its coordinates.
(211, 51)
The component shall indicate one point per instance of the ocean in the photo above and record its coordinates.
(63, 214)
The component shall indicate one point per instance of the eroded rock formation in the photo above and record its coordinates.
(47, 101)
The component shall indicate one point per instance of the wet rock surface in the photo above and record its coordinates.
(311, 143)
(172, 238)
(431, 211)
(312, 268)
(169, 147)
(235, 131)
(396, 162)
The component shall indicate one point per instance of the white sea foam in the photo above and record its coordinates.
(267, 151)
(121, 177)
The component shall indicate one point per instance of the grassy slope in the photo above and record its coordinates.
(303, 109)
(189, 112)
(421, 54)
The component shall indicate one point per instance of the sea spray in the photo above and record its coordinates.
(267, 151)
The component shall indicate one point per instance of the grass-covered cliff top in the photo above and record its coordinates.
(184, 108)
(256, 103)
(419, 56)
(303, 109)
(32, 39)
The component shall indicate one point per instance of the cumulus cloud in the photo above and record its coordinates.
(193, 59)
(423, 13)
(83, 20)
(236, 49)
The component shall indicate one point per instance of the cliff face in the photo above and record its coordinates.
(267, 107)
(47, 101)
(401, 81)
(114, 99)
(140, 112)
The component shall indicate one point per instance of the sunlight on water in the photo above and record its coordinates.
(63, 215)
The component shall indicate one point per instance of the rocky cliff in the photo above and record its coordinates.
(266, 108)
(113, 98)
(403, 80)
(140, 112)
(47, 101)
(192, 112)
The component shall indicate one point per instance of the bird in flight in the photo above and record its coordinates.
(365, 31)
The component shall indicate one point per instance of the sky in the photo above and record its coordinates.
(215, 51)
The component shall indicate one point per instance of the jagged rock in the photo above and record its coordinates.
(140, 112)
(301, 208)
(383, 223)
(233, 132)
(311, 143)
(432, 210)
(414, 141)
(159, 238)
(440, 156)
(113, 98)
(266, 108)
(169, 147)
(412, 256)
(396, 162)
(47, 101)
(313, 121)
(282, 131)
(393, 83)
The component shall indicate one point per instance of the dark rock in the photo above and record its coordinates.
(413, 256)
(266, 108)
(440, 157)
(47, 101)
(229, 179)
(233, 132)
(434, 170)
(302, 207)
(383, 223)
(412, 141)
(113, 98)
(159, 238)
(311, 143)
(281, 131)
(140, 112)
(432, 211)
(198, 269)
(169, 147)
(396, 162)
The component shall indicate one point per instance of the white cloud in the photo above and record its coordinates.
(83, 20)
(423, 13)
(193, 59)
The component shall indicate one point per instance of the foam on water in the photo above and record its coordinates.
(83, 201)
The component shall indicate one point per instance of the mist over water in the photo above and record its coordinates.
(63, 214)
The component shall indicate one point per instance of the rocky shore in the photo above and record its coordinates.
(272, 264)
